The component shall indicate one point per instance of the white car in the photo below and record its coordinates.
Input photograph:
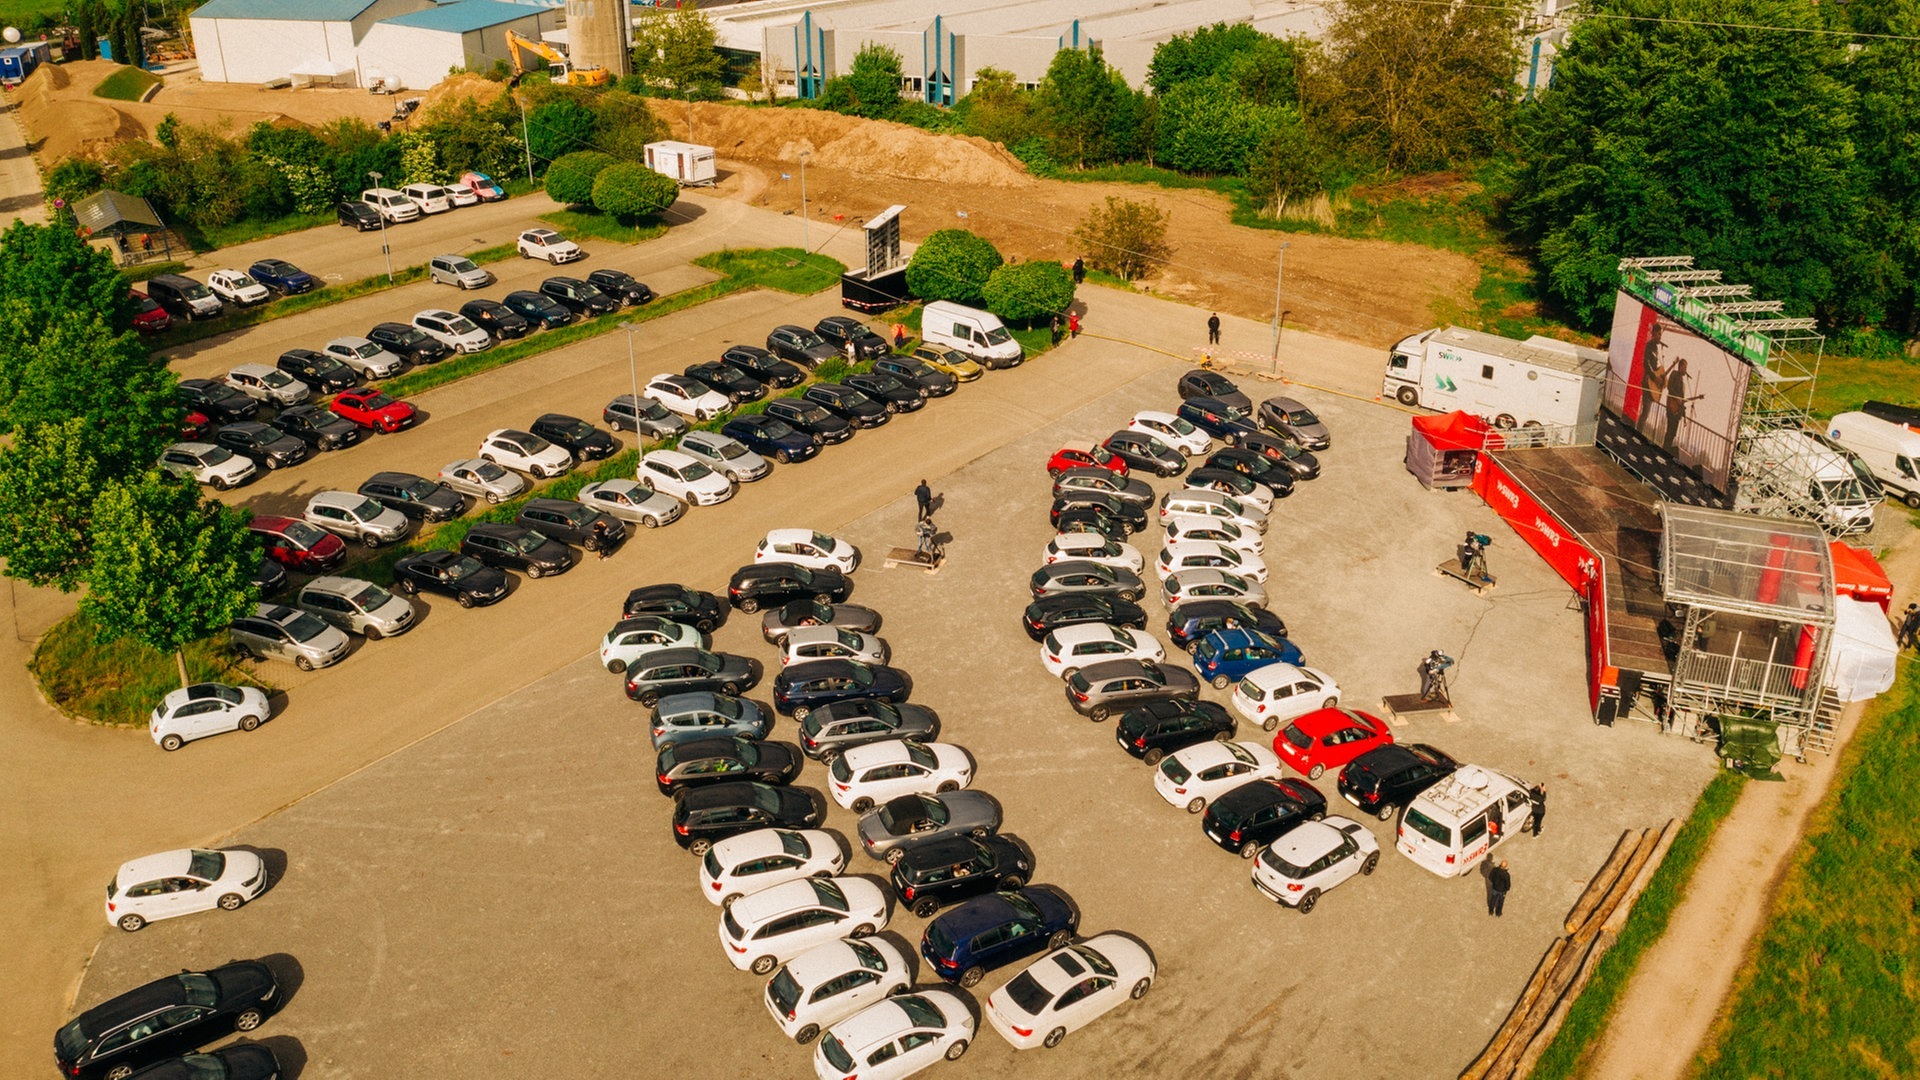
(1278, 692)
(181, 883)
(1211, 585)
(1207, 555)
(1205, 502)
(804, 547)
(363, 356)
(633, 638)
(204, 709)
(1256, 497)
(549, 245)
(238, 287)
(763, 929)
(763, 858)
(1068, 989)
(206, 463)
(1183, 528)
(1196, 775)
(462, 195)
(831, 982)
(673, 473)
(633, 500)
(725, 455)
(897, 1037)
(525, 452)
(430, 198)
(1066, 650)
(804, 643)
(456, 332)
(689, 397)
(269, 385)
(484, 479)
(1172, 430)
(1313, 857)
(353, 516)
(865, 776)
(1093, 547)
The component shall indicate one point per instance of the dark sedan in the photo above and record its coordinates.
(497, 319)
(1217, 418)
(1133, 515)
(933, 875)
(848, 404)
(1259, 468)
(409, 343)
(358, 216)
(264, 444)
(620, 285)
(282, 277)
(511, 547)
(993, 931)
(1104, 481)
(415, 496)
(1200, 383)
(450, 573)
(772, 583)
(579, 438)
(693, 607)
(801, 688)
(216, 400)
(763, 365)
(918, 374)
(736, 385)
(1302, 463)
(241, 1061)
(710, 812)
(1050, 613)
(269, 577)
(809, 612)
(165, 1017)
(808, 417)
(318, 428)
(855, 340)
(578, 296)
(654, 675)
(896, 395)
(693, 762)
(1141, 451)
(772, 437)
(800, 345)
(1260, 812)
(323, 373)
(1189, 623)
(1090, 519)
(1158, 728)
(537, 309)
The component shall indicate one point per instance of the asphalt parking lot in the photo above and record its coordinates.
(504, 897)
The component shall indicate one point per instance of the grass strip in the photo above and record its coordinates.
(577, 225)
(120, 683)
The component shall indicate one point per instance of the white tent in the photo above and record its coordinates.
(1860, 664)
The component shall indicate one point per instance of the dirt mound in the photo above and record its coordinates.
(860, 147)
(62, 121)
(474, 88)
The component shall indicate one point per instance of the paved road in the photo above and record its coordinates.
(21, 196)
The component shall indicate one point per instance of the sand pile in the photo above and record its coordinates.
(60, 125)
(848, 143)
(473, 88)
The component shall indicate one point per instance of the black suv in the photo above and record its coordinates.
(512, 547)
(415, 496)
(701, 610)
(805, 416)
(578, 296)
(1386, 778)
(266, 445)
(216, 401)
(917, 374)
(1189, 622)
(409, 343)
(772, 584)
(895, 395)
(166, 1017)
(358, 216)
(620, 285)
(182, 297)
(323, 373)
(721, 378)
(800, 345)
(1158, 728)
(855, 340)
(318, 428)
(702, 815)
(955, 868)
(1260, 812)
(760, 364)
(572, 522)
(1273, 475)
(537, 308)
(497, 319)
(581, 439)
(848, 404)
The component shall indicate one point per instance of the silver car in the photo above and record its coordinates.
(725, 455)
(278, 632)
(1211, 585)
(478, 477)
(358, 607)
(644, 416)
(1287, 417)
(267, 385)
(634, 501)
(1104, 481)
(363, 356)
(887, 831)
(704, 714)
(353, 516)
(806, 643)
(457, 270)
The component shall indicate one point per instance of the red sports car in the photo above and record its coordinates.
(1077, 455)
(1329, 738)
(373, 409)
(297, 545)
(148, 318)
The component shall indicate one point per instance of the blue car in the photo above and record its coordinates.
(1225, 656)
(282, 276)
(995, 930)
(801, 688)
(1192, 621)
(772, 437)
(1217, 418)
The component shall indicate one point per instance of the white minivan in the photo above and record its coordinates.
(1453, 826)
(976, 333)
(430, 198)
(392, 205)
(1890, 451)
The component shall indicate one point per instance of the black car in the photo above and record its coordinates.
(701, 610)
(737, 385)
(450, 573)
(808, 417)
(770, 436)
(1143, 451)
(241, 1061)
(620, 285)
(775, 624)
(763, 365)
(918, 374)
(1217, 418)
(710, 812)
(318, 427)
(957, 867)
(1302, 463)
(663, 672)
(831, 729)
(1050, 613)
(415, 496)
(1259, 468)
(217, 401)
(855, 339)
(773, 583)
(323, 373)
(269, 577)
(358, 216)
(1387, 778)
(497, 319)
(1259, 812)
(1131, 514)
(693, 762)
(579, 438)
(1200, 383)
(800, 345)
(801, 688)
(266, 445)
(512, 547)
(848, 404)
(1158, 728)
(896, 395)
(165, 1017)
(409, 343)
(573, 523)
(578, 296)
(1189, 622)
(1090, 519)
(537, 309)
(1225, 481)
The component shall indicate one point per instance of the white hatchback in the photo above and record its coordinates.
(897, 1037)
(687, 396)
(1313, 857)
(865, 776)
(831, 982)
(456, 332)
(765, 928)
(1172, 430)
(804, 547)
(1276, 693)
(1184, 529)
(1068, 989)
(525, 452)
(1070, 648)
(763, 858)
(1196, 775)
(633, 638)
(804, 643)
(181, 883)
(1093, 547)
(673, 473)
(725, 455)
(204, 709)
(1207, 555)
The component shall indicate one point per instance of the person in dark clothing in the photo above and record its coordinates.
(1213, 329)
(923, 496)
(1499, 883)
(601, 543)
(1079, 271)
(1056, 330)
(1537, 795)
(1910, 626)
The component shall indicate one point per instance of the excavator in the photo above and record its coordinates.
(564, 72)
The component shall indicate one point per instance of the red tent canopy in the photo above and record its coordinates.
(1452, 431)
(1857, 573)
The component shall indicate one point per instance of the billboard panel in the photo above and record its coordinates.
(1680, 391)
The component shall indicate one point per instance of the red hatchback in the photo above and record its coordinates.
(148, 317)
(297, 545)
(373, 409)
(1329, 738)
(1076, 455)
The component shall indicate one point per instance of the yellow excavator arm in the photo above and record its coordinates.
(565, 72)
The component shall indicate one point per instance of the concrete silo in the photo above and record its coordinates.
(597, 35)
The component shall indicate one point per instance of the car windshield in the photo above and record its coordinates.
(241, 281)
(229, 694)
(730, 450)
(776, 429)
(862, 675)
(835, 1053)
(277, 379)
(1182, 426)
(199, 989)
(651, 410)
(812, 414)
(1021, 906)
(1428, 827)
(366, 350)
(410, 336)
(488, 471)
(694, 471)
(1302, 417)
(371, 598)
(306, 626)
(461, 325)
(525, 544)
(144, 304)
(783, 992)
(206, 865)
(218, 455)
(998, 335)
(368, 510)
(1025, 991)
(278, 268)
(573, 429)
(850, 639)
(196, 291)
(807, 340)
(464, 566)
(304, 534)
(1094, 960)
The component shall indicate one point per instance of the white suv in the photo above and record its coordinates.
(363, 356)
(206, 463)
(549, 245)
(269, 385)
(392, 205)
(673, 473)
(525, 452)
(456, 332)
(237, 287)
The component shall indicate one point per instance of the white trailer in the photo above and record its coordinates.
(1539, 382)
(687, 163)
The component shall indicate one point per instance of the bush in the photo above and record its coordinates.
(953, 264)
(559, 127)
(570, 178)
(74, 178)
(1025, 292)
(629, 190)
(1123, 237)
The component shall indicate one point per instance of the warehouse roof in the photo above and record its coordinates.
(301, 10)
(458, 18)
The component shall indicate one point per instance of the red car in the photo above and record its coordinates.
(1329, 738)
(297, 545)
(1077, 455)
(148, 317)
(374, 409)
(193, 425)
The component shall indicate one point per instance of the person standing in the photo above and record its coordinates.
(899, 336)
(1910, 626)
(1079, 271)
(1073, 323)
(601, 543)
(923, 497)
(1537, 795)
(1213, 329)
(1499, 883)
(1056, 329)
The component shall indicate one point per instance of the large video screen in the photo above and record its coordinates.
(1680, 391)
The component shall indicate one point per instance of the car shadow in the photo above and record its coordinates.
(287, 1051)
(275, 861)
(288, 973)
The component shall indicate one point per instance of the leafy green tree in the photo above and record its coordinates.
(629, 190)
(678, 52)
(1086, 109)
(1208, 51)
(557, 127)
(1885, 76)
(1025, 292)
(1269, 72)
(952, 264)
(52, 270)
(71, 364)
(1291, 164)
(74, 178)
(997, 109)
(870, 88)
(570, 178)
(50, 476)
(87, 29)
(1124, 237)
(1205, 126)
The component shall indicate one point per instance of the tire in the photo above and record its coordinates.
(1504, 422)
(730, 689)
(119, 1072)
(131, 923)
(495, 498)
(1221, 682)
(749, 605)
(303, 663)
(1271, 723)
(1011, 883)
(1249, 849)
(1307, 902)
(926, 907)
(1154, 756)
(1053, 1037)
(728, 900)
(1140, 989)
(650, 699)
(957, 1051)
(828, 757)
(272, 464)
(764, 964)
(822, 598)
(894, 857)
(616, 666)
(1330, 703)
(219, 483)
(171, 743)
(863, 930)
(861, 805)
(464, 600)
(1912, 499)
(700, 847)
(1196, 804)
(807, 1034)
(651, 522)
(249, 722)
(591, 543)
(1223, 737)
(615, 425)
(1316, 772)
(535, 571)
(1408, 396)
(783, 457)
(1060, 940)
(248, 1020)
(705, 626)
(1097, 714)
(409, 587)
(979, 832)
(972, 976)
(1373, 862)
(232, 902)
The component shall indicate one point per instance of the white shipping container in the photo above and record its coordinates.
(687, 163)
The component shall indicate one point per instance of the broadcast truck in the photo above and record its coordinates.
(1539, 382)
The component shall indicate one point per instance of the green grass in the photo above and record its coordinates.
(1141, 173)
(122, 682)
(1111, 281)
(127, 84)
(214, 237)
(1847, 381)
(144, 271)
(24, 13)
(1833, 987)
(1587, 1019)
(787, 269)
(577, 225)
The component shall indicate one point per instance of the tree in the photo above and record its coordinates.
(1025, 292)
(1205, 126)
(74, 178)
(570, 177)
(1289, 165)
(952, 264)
(1208, 51)
(1076, 102)
(168, 566)
(678, 52)
(52, 270)
(997, 109)
(1885, 76)
(49, 479)
(557, 127)
(1125, 238)
(72, 365)
(871, 88)
(628, 190)
(86, 28)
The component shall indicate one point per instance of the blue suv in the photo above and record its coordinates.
(1225, 656)
(995, 930)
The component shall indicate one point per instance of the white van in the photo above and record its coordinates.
(392, 205)
(1890, 451)
(430, 198)
(977, 333)
(1454, 825)
(1816, 478)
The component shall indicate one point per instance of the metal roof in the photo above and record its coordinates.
(112, 213)
(465, 15)
(1771, 567)
(291, 10)
(1537, 350)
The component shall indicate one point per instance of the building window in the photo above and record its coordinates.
(910, 84)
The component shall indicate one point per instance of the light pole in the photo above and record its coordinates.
(1279, 278)
(633, 373)
(806, 241)
(384, 250)
(526, 143)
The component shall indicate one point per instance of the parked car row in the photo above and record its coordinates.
(382, 206)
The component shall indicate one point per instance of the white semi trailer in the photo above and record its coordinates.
(1539, 382)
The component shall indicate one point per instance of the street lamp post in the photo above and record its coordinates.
(385, 251)
(526, 144)
(1279, 279)
(633, 373)
(806, 241)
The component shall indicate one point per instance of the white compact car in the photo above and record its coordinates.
(1211, 585)
(1207, 555)
(1093, 547)
(1254, 496)
(206, 463)
(725, 455)
(1276, 693)
(865, 776)
(763, 858)
(483, 479)
(181, 883)
(353, 516)
(1066, 650)
(633, 638)
(765, 928)
(804, 547)
(804, 643)
(1196, 775)
(674, 473)
(1068, 989)
(238, 287)
(1183, 529)
(204, 709)
(268, 385)
(363, 356)
(549, 245)
(462, 195)
(633, 500)
(831, 982)
(896, 1037)
(1313, 857)
(1206, 502)
(1172, 430)
(689, 397)
(525, 452)
(456, 332)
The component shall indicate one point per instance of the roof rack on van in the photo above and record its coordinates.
(1466, 790)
